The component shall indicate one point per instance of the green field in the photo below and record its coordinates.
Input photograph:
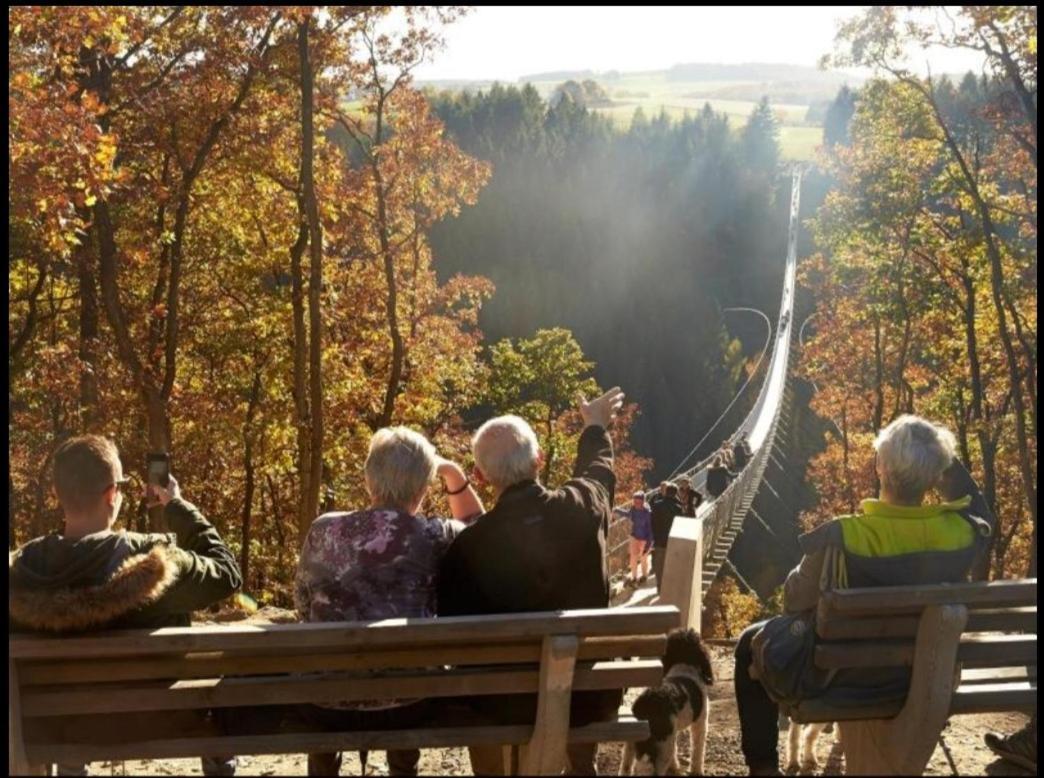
(654, 92)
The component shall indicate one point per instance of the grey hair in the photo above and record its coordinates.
(506, 451)
(399, 467)
(912, 454)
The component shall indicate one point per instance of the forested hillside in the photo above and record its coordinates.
(633, 240)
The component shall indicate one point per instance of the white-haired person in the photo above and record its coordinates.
(380, 562)
(537, 549)
(896, 539)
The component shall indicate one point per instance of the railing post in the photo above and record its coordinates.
(682, 584)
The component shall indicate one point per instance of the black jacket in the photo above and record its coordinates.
(740, 456)
(718, 481)
(664, 509)
(537, 549)
(121, 580)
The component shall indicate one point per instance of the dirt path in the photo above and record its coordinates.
(963, 738)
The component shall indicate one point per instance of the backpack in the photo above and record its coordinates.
(784, 648)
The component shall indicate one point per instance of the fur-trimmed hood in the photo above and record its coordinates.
(58, 585)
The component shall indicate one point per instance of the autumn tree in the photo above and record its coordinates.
(929, 238)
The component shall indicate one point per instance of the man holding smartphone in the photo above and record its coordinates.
(91, 577)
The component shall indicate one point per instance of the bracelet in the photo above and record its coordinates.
(467, 483)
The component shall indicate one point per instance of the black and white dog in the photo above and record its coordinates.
(680, 702)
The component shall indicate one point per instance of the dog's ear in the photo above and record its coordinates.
(684, 646)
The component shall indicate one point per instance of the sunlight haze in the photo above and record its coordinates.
(509, 42)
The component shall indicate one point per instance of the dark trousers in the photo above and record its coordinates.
(400, 761)
(758, 714)
(658, 560)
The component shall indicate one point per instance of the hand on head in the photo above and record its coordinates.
(600, 411)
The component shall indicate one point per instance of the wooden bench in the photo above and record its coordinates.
(140, 694)
(971, 647)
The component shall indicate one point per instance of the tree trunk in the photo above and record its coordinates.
(248, 468)
(989, 234)
(88, 294)
(315, 278)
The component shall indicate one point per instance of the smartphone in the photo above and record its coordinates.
(159, 469)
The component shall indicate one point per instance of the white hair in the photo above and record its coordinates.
(506, 451)
(399, 467)
(912, 454)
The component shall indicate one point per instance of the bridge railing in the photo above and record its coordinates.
(717, 514)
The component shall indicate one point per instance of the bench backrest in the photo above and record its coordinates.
(997, 649)
(876, 627)
(199, 668)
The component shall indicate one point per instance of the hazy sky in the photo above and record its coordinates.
(505, 42)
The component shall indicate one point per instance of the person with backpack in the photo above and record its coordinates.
(896, 539)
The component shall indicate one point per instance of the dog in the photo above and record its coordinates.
(679, 703)
(801, 741)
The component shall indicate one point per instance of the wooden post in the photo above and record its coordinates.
(903, 745)
(683, 571)
(545, 754)
(510, 759)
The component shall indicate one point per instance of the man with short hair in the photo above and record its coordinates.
(537, 549)
(665, 506)
(90, 577)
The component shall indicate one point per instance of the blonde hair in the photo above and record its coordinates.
(506, 451)
(399, 467)
(912, 454)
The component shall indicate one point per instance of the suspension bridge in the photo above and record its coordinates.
(721, 519)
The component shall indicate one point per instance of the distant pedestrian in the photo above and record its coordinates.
(641, 540)
(689, 498)
(718, 477)
(740, 454)
(665, 507)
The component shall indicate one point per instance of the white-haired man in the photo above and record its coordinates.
(894, 540)
(537, 549)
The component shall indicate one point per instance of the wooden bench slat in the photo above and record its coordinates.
(1022, 619)
(457, 630)
(998, 675)
(893, 600)
(974, 651)
(214, 664)
(625, 728)
(328, 687)
(995, 697)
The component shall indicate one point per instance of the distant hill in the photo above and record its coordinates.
(559, 75)
(757, 71)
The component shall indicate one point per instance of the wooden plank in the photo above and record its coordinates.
(1023, 619)
(998, 675)
(213, 664)
(322, 688)
(995, 698)
(545, 753)
(388, 633)
(683, 571)
(888, 600)
(973, 651)
(624, 729)
(17, 760)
